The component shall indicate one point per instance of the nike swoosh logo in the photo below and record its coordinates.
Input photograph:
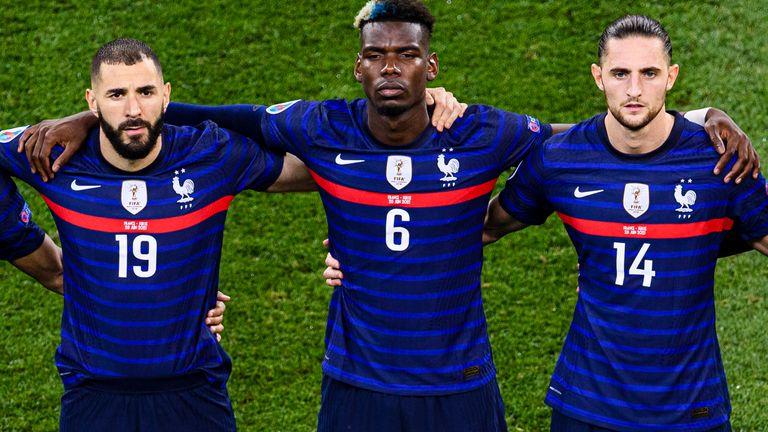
(77, 187)
(579, 194)
(341, 161)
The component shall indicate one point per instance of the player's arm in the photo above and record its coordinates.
(69, 132)
(446, 108)
(761, 245)
(732, 245)
(729, 141)
(498, 222)
(294, 177)
(727, 138)
(44, 264)
(560, 127)
(215, 317)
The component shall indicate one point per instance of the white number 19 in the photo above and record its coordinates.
(150, 256)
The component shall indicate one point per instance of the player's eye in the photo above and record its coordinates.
(620, 74)
(650, 74)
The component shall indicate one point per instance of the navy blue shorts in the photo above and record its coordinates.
(186, 404)
(563, 423)
(345, 408)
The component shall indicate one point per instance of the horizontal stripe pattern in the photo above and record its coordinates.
(409, 317)
(642, 351)
(139, 277)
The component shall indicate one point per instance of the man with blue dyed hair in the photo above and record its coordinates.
(407, 344)
(634, 189)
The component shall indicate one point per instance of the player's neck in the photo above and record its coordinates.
(121, 163)
(402, 129)
(641, 141)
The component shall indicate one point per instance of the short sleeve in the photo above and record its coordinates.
(19, 235)
(523, 195)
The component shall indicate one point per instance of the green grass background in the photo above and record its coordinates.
(524, 56)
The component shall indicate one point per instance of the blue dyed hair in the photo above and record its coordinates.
(412, 11)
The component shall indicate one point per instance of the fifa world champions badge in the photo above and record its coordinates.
(637, 199)
(399, 171)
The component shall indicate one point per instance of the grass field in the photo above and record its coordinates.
(524, 56)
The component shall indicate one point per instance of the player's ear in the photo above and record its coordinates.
(358, 65)
(672, 76)
(432, 67)
(597, 74)
(166, 95)
(90, 97)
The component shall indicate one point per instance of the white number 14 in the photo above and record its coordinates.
(646, 271)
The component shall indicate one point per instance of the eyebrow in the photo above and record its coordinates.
(123, 90)
(399, 49)
(648, 69)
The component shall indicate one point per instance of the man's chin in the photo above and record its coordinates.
(391, 108)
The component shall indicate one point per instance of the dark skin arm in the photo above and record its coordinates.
(70, 132)
(44, 265)
(728, 138)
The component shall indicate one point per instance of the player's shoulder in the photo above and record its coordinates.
(204, 136)
(691, 131)
(585, 134)
(302, 106)
(494, 118)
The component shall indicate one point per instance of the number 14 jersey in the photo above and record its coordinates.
(642, 351)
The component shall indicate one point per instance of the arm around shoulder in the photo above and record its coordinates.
(45, 265)
(294, 177)
(498, 222)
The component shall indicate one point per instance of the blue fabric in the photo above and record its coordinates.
(561, 423)
(204, 408)
(642, 352)
(406, 224)
(142, 251)
(348, 408)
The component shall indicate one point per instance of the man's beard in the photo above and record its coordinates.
(392, 111)
(135, 148)
(634, 127)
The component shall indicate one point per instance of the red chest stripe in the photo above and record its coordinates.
(153, 226)
(404, 199)
(646, 230)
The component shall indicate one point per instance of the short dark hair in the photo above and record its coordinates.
(634, 25)
(412, 11)
(123, 51)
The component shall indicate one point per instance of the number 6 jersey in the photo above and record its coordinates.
(142, 250)
(406, 223)
(642, 351)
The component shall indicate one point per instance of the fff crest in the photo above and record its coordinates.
(134, 195)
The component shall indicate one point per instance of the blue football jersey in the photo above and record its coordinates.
(642, 352)
(406, 224)
(142, 250)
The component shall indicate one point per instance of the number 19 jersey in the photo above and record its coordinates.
(141, 252)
